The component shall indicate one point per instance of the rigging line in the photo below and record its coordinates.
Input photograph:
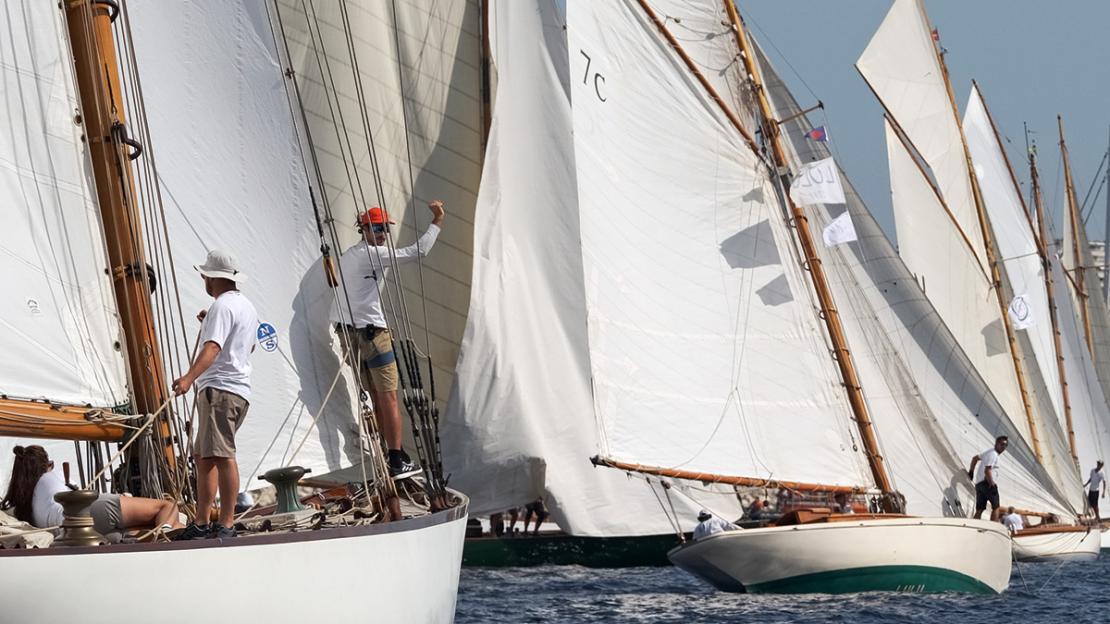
(670, 521)
(1097, 177)
(1094, 200)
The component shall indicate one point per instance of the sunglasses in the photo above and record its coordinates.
(378, 228)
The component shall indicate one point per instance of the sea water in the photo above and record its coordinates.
(1070, 593)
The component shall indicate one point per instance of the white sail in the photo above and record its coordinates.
(931, 410)
(232, 178)
(705, 351)
(419, 65)
(61, 330)
(1090, 413)
(520, 421)
(1076, 252)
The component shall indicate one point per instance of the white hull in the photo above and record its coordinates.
(1105, 538)
(904, 554)
(404, 571)
(1058, 546)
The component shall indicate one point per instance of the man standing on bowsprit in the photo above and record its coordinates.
(365, 338)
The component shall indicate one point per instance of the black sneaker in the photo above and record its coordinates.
(403, 469)
(194, 532)
(219, 531)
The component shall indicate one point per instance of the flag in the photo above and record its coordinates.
(817, 183)
(818, 134)
(840, 231)
(1020, 314)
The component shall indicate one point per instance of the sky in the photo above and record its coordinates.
(1031, 59)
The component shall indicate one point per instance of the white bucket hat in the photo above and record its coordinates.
(221, 264)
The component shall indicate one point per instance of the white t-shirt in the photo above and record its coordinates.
(1096, 480)
(364, 268)
(1013, 522)
(232, 323)
(45, 511)
(988, 458)
(712, 526)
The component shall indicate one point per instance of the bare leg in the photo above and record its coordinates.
(228, 470)
(147, 512)
(389, 417)
(206, 488)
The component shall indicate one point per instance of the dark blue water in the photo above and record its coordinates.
(1074, 593)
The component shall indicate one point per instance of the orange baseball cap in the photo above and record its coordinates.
(374, 216)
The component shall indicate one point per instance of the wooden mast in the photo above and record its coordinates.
(817, 272)
(992, 261)
(102, 112)
(1076, 223)
(707, 477)
(487, 77)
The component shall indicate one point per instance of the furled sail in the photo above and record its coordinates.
(901, 66)
(931, 409)
(705, 351)
(61, 331)
(520, 422)
(414, 79)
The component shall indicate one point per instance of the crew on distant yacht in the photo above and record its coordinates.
(1013, 520)
(222, 374)
(360, 324)
(1093, 482)
(34, 483)
(984, 473)
(708, 524)
(843, 505)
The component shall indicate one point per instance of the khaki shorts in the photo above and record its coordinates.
(219, 415)
(373, 360)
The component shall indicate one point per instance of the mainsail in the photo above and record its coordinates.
(61, 329)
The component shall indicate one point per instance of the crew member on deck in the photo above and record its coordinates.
(983, 472)
(222, 374)
(1013, 520)
(34, 484)
(1093, 482)
(708, 524)
(843, 505)
(363, 334)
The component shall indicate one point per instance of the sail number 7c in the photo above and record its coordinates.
(599, 80)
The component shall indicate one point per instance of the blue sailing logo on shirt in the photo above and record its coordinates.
(267, 337)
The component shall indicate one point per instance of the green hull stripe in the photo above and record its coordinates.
(914, 579)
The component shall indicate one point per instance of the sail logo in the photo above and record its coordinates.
(267, 337)
(817, 183)
(1020, 314)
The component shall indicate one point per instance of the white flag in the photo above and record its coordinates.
(817, 183)
(841, 230)
(1020, 314)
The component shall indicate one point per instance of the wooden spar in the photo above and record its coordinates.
(487, 76)
(992, 260)
(700, 77)
(102, 113)
(817, 272)
(37, 419)
(708, 477)
(1050, 287)
(1079, 280)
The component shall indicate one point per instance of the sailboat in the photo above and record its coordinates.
(706, 358)
(99, 337)
(947, 239)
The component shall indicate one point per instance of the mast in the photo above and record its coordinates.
(1076, 223)
(992, 261)
(487, 76)
(102, 113)
(817, 273)
(1106, 235)
(1049, 287)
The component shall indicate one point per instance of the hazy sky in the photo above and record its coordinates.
(1032, 60)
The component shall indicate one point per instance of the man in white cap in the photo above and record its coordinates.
(708, 524)
(222, 374)
(360, 322)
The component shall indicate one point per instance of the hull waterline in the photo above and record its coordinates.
(906, 554)
(406, 571)
(1058, 544)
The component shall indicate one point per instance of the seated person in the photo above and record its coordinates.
(708, 524)
(1013, 520)
(537, 509)
(34, 484)
(843, 505)
(756, 510)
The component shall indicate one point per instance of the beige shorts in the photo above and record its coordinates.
(219, 415)
(373, 360)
